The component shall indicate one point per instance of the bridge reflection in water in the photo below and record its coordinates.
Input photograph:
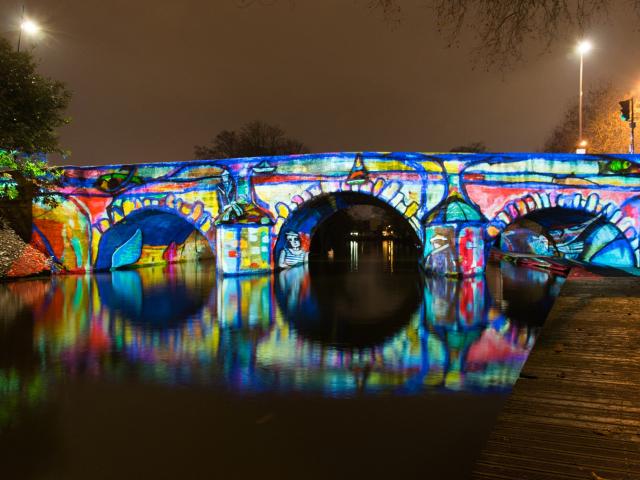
(337, 329)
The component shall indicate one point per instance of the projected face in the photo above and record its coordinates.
(293, 241)
(293, 253)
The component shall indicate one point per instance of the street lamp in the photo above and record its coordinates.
(29, 27)
(582, 147)
(583, 47)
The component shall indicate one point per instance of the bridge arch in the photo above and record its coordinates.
(617, 230)
(386, 191)
(119, 238)
(308, 210)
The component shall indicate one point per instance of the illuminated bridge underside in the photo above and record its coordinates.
(259, 214)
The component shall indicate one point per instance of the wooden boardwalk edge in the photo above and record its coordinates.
(575, 411)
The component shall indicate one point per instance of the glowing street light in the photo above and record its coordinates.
(29, 27)
(583, 48)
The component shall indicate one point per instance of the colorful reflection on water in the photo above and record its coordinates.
(336, 329)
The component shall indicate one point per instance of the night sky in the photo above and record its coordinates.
(153, 78)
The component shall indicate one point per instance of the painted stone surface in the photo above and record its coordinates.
(62, 233)
(571, 235)
(454, 243)
(243, 249)
(459, 205)
(296, 252)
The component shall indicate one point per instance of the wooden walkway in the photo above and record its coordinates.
(575, 411)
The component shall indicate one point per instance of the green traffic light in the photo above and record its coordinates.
(625, 110)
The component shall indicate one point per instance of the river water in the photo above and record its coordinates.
(343, 369)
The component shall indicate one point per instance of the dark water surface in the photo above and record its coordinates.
(351, 369)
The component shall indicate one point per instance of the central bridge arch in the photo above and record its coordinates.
(307, 216)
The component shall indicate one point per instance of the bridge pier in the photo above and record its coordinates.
(244, 248)
(454, 232)
(454, 250)
(454, 239)
(243, 230)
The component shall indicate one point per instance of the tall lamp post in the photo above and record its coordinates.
(584, 47)
(27, 26)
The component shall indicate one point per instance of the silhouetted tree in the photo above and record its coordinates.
(602, 126)
(255, 139)
(473, 147)
(32, 107)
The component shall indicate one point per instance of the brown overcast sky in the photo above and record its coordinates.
(152, 78)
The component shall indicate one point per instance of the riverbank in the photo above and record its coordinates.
(575, 411)
(18, 258)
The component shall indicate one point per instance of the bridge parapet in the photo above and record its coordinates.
(121, 215)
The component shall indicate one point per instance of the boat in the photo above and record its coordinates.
(558, 266)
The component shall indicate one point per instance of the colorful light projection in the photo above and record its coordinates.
(243, 228)
(570, 234)
(458, 205)
(150, 237)
(293, 253)
(454, 243)
(177, 324)
(244, 248)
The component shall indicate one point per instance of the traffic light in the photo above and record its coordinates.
(625, 110)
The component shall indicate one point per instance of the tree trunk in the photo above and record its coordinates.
(18, 213)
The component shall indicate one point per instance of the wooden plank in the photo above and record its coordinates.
(575, 411)
(559, 434)
(589, 456)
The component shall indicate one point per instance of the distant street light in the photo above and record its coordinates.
(583, 48)
(582, 147)
(29, 27)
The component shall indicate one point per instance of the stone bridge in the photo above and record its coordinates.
(259, 214)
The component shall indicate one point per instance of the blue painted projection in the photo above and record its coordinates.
(606, 245)
(122, 244)
(571, 234)
(129, 252)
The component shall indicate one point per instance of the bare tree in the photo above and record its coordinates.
(501, 27)
(255, 139)
(603, 128)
